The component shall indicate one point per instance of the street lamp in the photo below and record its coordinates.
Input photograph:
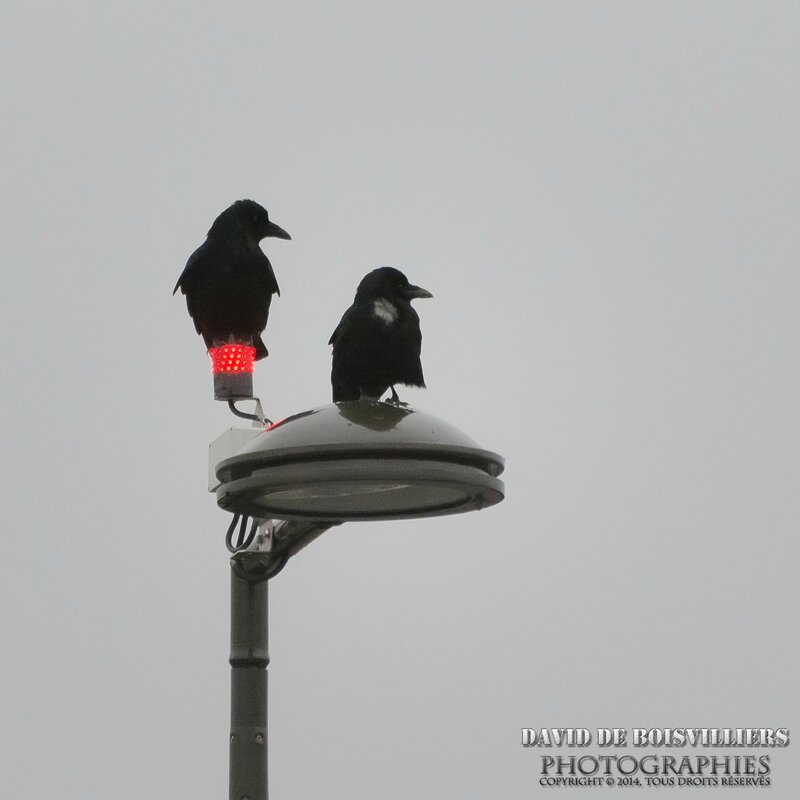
(347, 461)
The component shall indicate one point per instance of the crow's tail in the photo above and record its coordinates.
(261, 348)
(341, 391)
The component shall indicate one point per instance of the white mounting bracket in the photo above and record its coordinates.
(264, 539)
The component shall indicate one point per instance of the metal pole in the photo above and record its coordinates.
(249, 659)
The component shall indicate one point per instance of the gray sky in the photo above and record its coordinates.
(603, 199)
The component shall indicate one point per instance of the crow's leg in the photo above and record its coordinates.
(394, 399)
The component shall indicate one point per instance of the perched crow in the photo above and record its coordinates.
(228, 281)
(378, 341)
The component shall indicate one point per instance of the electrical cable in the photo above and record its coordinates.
(242, 541)
(229, 534)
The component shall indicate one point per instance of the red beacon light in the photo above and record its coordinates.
(232, 368)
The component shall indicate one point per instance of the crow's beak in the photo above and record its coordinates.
(276, 231)
(415, 292)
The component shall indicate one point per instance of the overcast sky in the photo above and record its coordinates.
(603, 198)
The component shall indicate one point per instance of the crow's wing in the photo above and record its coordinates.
(189, 275)
(369, 352)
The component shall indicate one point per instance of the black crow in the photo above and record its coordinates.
(228, 281)
(378, 341)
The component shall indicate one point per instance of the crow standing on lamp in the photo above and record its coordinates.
(378, 342)
(229, 282)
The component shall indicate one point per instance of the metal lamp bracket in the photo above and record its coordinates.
(258, 418)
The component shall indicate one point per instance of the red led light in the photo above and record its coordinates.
(232, 358)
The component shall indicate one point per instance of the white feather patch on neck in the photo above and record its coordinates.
(385, 311)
